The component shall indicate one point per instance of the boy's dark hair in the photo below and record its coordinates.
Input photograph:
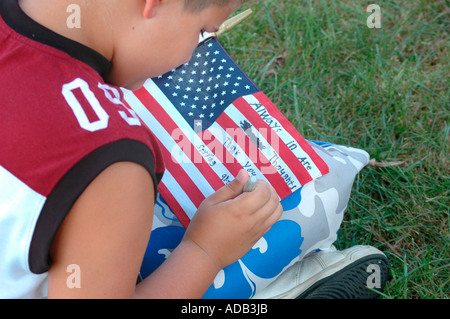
(198, 5)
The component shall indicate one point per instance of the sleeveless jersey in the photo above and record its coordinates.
(60, 126)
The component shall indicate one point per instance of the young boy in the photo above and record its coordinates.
(79, 171)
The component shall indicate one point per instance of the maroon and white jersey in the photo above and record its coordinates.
(60, 126)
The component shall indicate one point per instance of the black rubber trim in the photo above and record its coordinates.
(350, 282)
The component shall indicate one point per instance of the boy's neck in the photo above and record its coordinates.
(54, 15)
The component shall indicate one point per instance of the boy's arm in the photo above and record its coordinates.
(107, 231)
(105, 234)
(186, 274)
(227, 224)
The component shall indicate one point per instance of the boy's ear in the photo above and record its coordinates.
(149, 7)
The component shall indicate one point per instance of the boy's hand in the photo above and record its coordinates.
(229, 222)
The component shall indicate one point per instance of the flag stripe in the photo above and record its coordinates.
(185, 180)
(204, 180)
(305, 147)
(181, 203)
(258, 166)
(190, 154)
(284, 158)
(217, 130)
(307, 167)
(171, 115)
(216, 136)
(195, 195)
(288, 180)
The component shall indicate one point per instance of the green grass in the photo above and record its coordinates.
(383, 90)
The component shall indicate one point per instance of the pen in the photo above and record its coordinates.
(251, 184)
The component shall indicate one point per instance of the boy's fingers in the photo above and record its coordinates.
(261, 202)
(271, 204)
(232, 189)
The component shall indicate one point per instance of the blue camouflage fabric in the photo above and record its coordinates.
(311, 220)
